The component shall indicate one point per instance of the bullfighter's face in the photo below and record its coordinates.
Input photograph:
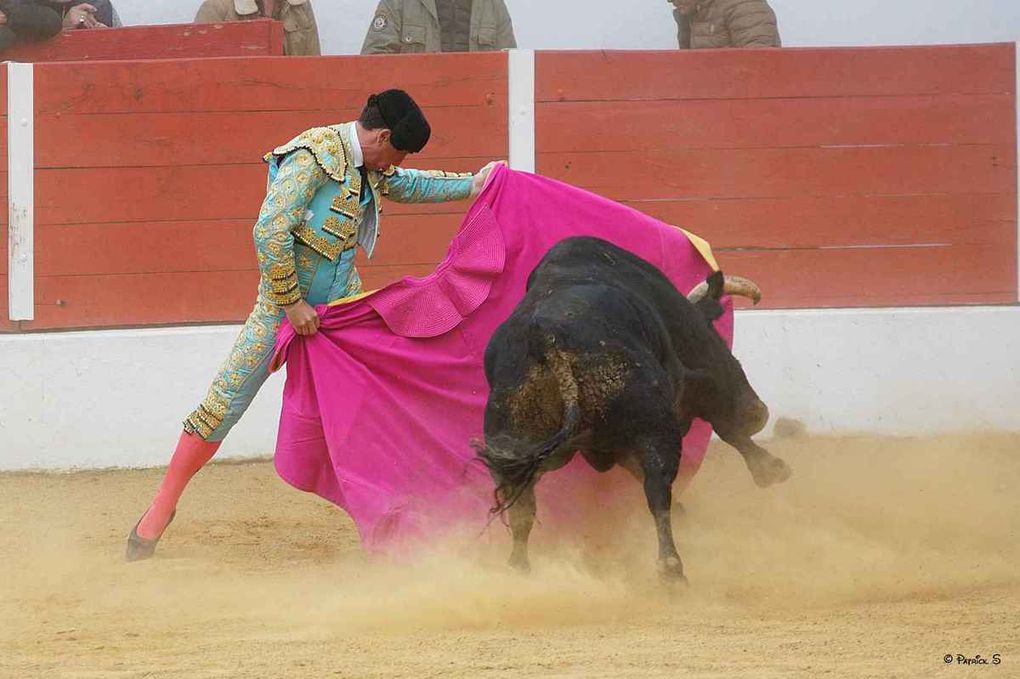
(378, 151)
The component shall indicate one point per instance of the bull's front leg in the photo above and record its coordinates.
(522, 518)
(660, 461)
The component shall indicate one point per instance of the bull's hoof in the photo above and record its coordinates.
(675, 583)
(139, 548)
(769, 470)
(789, 428)
(671, 570)
(520, 564)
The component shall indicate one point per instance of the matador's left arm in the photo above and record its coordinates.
(425, 186)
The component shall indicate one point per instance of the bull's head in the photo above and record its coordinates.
(730, 403)
(738, 410)
(705, 295)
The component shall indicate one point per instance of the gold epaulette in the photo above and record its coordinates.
(325, 144)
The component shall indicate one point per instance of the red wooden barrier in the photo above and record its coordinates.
(175, 41)
(147, 193)
(834, 177)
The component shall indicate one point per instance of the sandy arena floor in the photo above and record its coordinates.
(877, 559)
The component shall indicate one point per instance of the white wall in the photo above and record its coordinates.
(886, 371)
(116, 398)
(648, 24)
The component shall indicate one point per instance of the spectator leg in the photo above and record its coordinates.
(7, 37)
(32, 22)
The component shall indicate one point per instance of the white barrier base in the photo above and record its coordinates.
(116, 398)
(892, 372)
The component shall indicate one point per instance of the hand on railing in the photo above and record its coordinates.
(82, 16)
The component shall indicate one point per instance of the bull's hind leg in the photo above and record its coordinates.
(660, 460)
(766, 469)
(522, 518)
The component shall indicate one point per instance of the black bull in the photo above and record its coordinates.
(605, 357)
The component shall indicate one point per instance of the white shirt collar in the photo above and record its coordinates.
(359, 159)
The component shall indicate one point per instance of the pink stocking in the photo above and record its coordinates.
(190, 455)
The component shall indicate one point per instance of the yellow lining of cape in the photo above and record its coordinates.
(352, 298)
(703, 248)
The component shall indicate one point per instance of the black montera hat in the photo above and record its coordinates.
(409, 129)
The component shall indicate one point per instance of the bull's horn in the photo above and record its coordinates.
(744, 287)
(698, 293)
(733, 285)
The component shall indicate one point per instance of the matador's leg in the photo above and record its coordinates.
(232, 391)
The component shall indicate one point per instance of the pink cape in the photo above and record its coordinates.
(382, 404)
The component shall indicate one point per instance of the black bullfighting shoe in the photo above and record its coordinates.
(139, 548)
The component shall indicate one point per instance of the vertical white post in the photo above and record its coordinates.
(21, 191)
(1016, 106)
(521, 76)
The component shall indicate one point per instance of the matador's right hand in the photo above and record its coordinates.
(302, 316)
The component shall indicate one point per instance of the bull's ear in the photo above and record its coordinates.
(709, 305)
(710, 308)
(715, 285)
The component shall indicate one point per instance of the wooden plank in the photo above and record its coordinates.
(812, 278)
(806, 221)
(765, 73)
(130, 284)
(757, 173)
(82, 196)
(144, 247)
(270, 84)
(182, 193)
(393, 209)
(142, 299)
(66, 302)
(3, 180)
(176, 41)
(6, 325)
(221, 138)
(751, 123)
(962, 274)
(166, 247)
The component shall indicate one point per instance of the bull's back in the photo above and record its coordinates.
(588, 259)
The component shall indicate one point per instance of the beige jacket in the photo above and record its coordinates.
(300, 32)
(402, 26)
(728, 23)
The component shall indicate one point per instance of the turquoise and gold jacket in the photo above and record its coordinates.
(315, 198)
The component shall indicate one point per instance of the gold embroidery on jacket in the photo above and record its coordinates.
(327, 247)
(347, 203)
(346, 230)
(207, 416)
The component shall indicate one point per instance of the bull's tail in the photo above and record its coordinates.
(515, 467)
